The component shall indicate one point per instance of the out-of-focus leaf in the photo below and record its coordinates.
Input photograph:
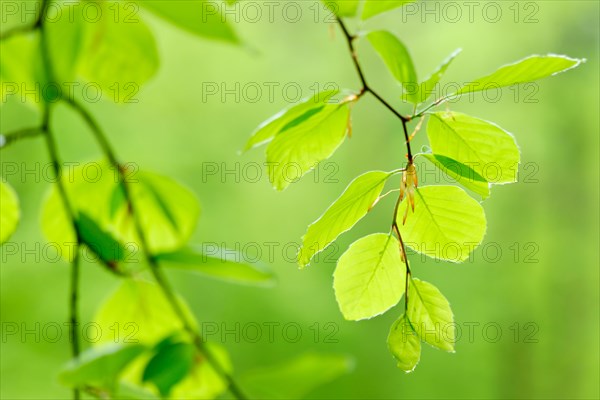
(298, 149)
(9, 211)
(343, 214)
(168, 213)
(369, 277)
(484, 147)
(296, 378)
(404, 344)
(218, 263)
(430, 315)
(22, 75)
(375, 7)
(169, 365)
(342, 8)
(398, 61)
(447, 223)
(101, 243)
(100, 367)
(203, 18)
(289, 117)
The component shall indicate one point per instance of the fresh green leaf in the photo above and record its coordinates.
(21, 67)
(447, 223)
(297, 150)
(289, 117)
(430, 315)
(118, 53)
(10, 213)
(171, 363)
(296, 378)
(528, 69)
(404, 344)
(218, 263)
(100, 367)
(100, 242)
(342, 8)
(202, 18)
(168, 213)
(375, 7)
(398, 61)
(89, 187)
(369, 277)
(484, 147)
(461, 173)
(427, 87)
(343, 214)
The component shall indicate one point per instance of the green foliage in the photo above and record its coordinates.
(486, 148)
(342, 8)
(369, 277)
(343, 214)
(171, 363)
(102, 243)
(375, 7)
(100, 367)
(221, 264)
(430, 315)
(398, 61)
(296, 378)
(201, 18)
(442, 222)
(404, 344)
(9, 210)
(527, 70)
(447, 224)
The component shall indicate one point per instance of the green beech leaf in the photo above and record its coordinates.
(342, 8)
(297, 378)
(9, 211)
(101, 366)
(430, 315)
(289, 117)
(427, 87)
(99, 241)
(375, 7)
(397, 59)
(369, 277)
(297, 150)
(529, 69)
(218, 263)
(461, 173)
(171, 363)
(118, 53)
(21, 67)
(484, 147)
(447, 223)
(89, 187)
(404, 344)
(169, 213)
(202, 18)
(343, 214)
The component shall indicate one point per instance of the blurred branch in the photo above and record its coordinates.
(155, 269)
(12, 137)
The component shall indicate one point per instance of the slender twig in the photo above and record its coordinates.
(12, 137)
(155, 269)
(350, 38)
(70, 210)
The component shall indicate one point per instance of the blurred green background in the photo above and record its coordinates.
(178, 129)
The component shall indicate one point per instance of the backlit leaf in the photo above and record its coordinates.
(461, 173)
(447, 223)
(343, 214)
(404, 344)
(369, 277)
(10, 213)
(375, 7)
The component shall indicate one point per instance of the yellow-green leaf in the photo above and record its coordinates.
(375, 7)
(447, 223)
(9, 211)
(369, 277)
(404, 344)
